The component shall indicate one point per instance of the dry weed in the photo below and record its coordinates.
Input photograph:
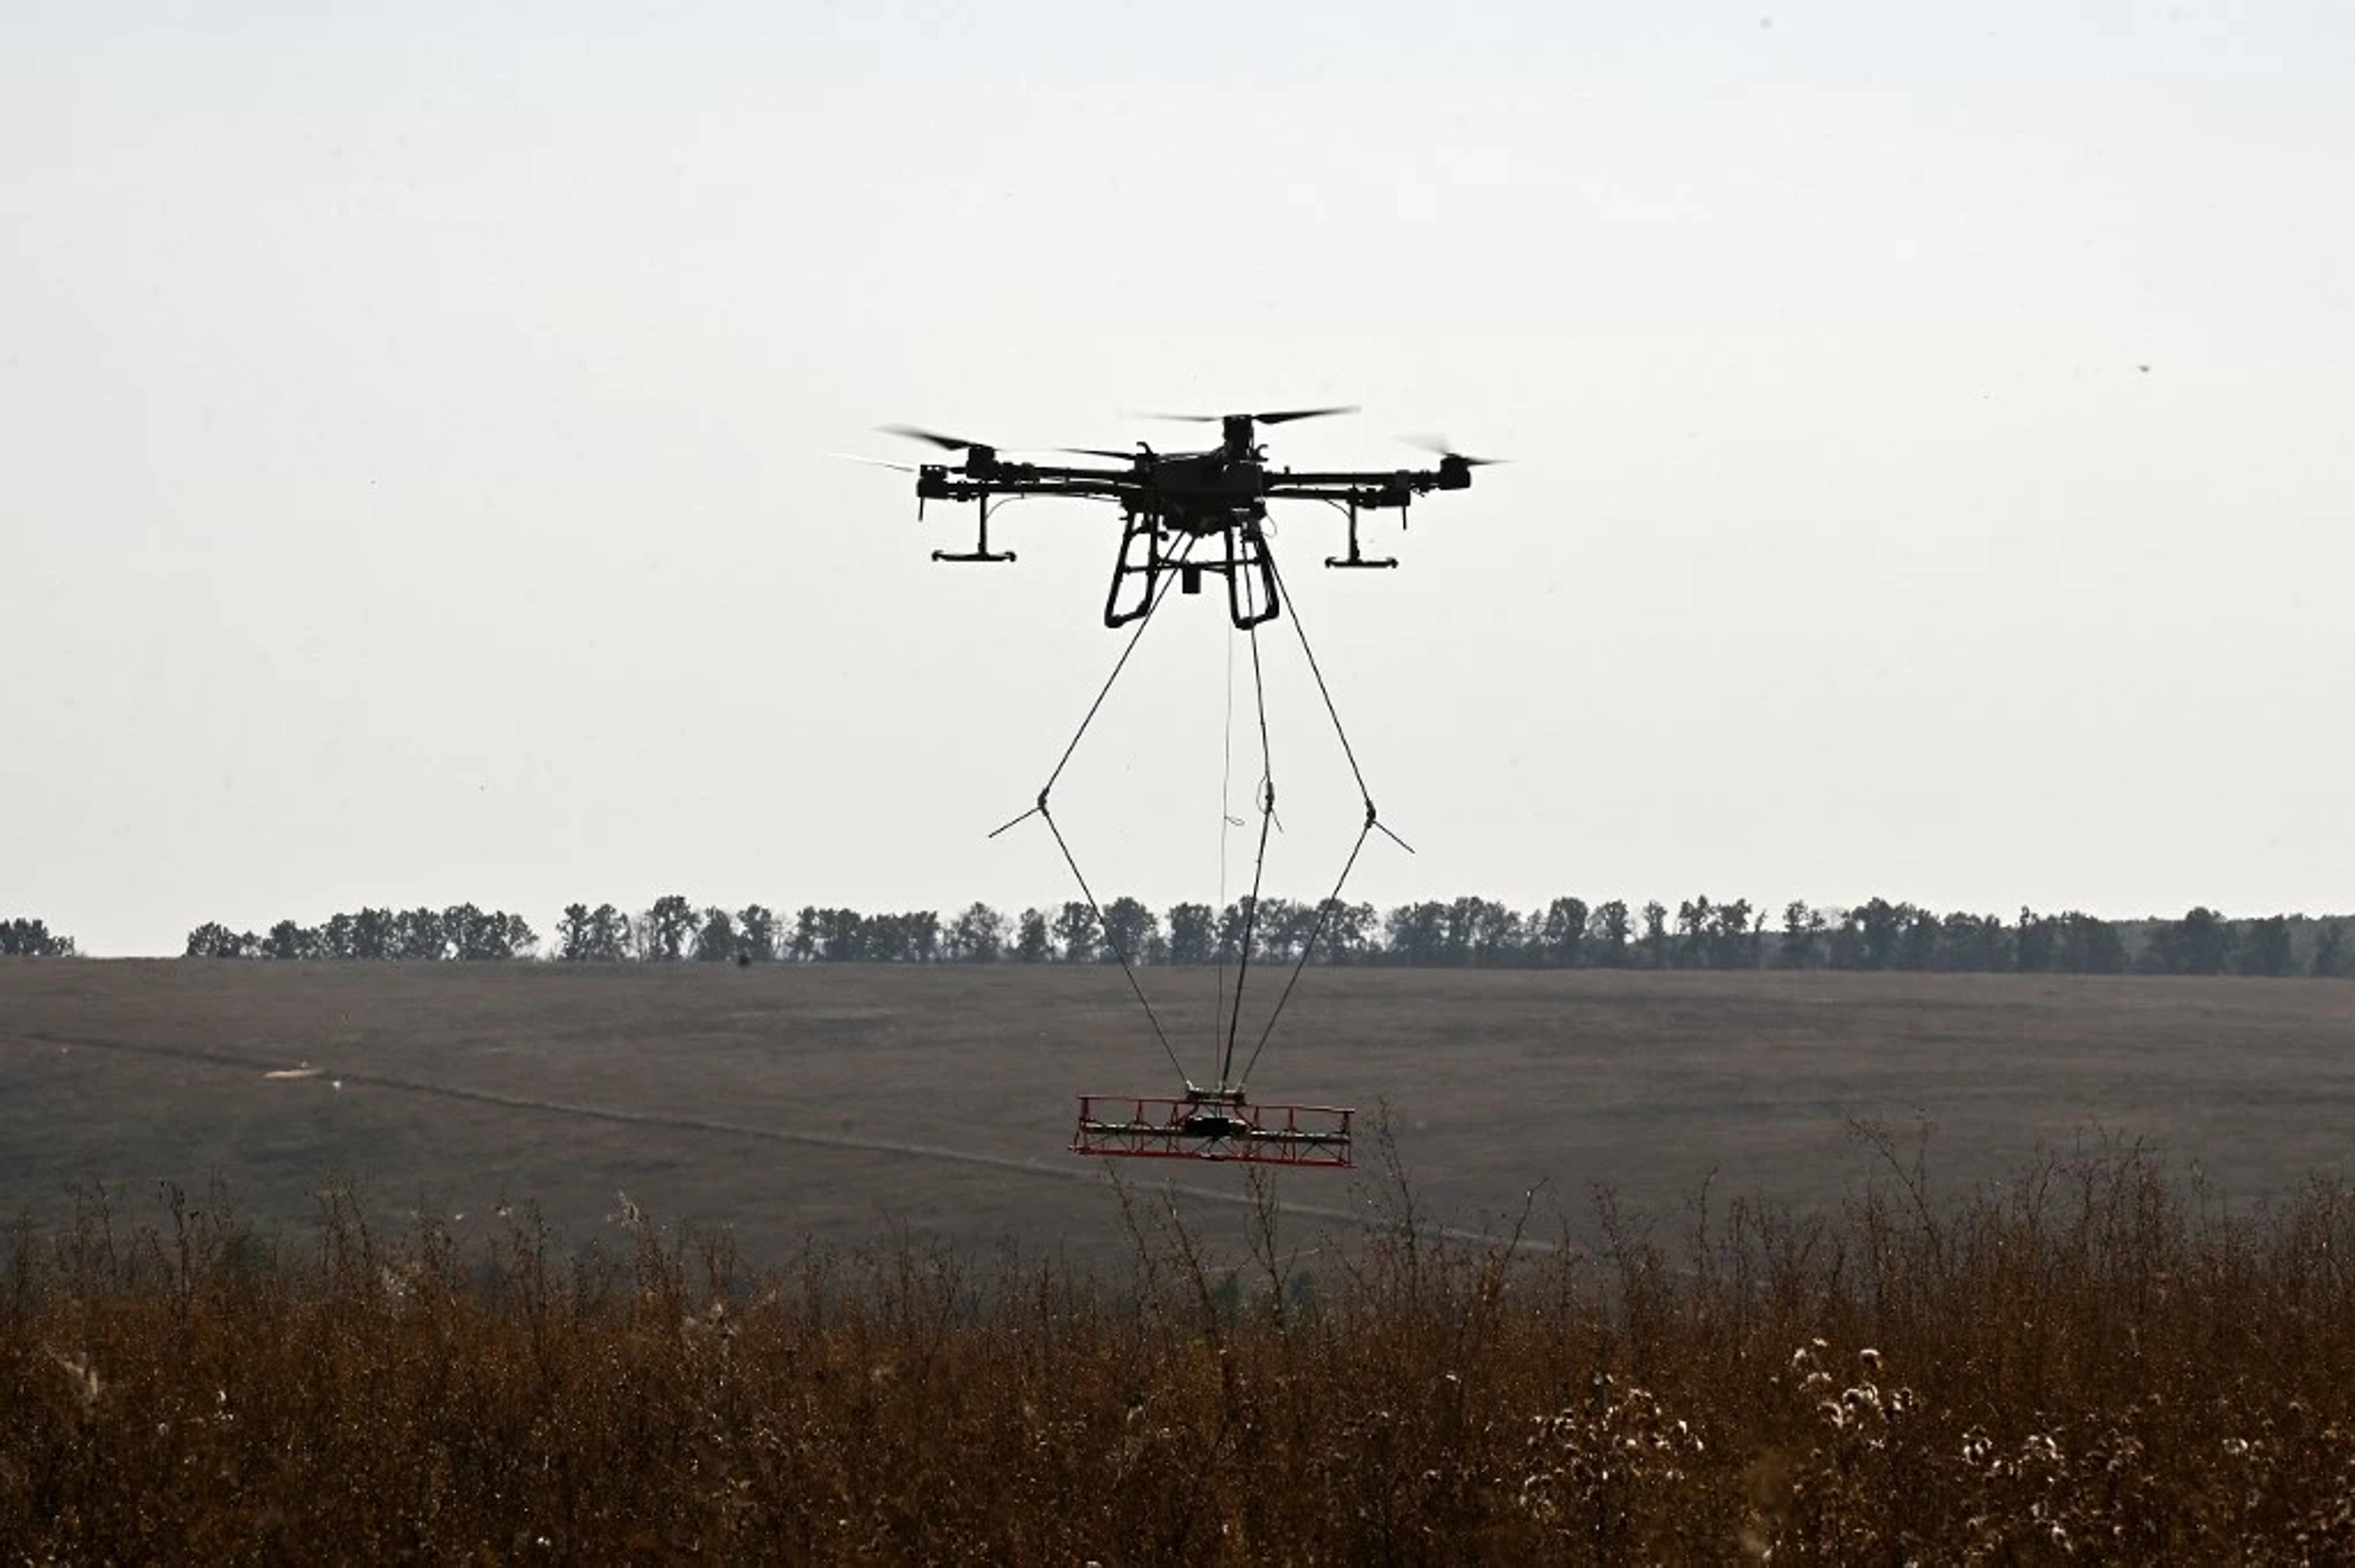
(2088, 1363)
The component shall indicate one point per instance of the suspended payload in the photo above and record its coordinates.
(1212, 1124)
(1188, 517)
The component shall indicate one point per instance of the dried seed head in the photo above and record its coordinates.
(79, 1373)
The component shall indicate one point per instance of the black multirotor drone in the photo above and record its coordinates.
(1172, 504)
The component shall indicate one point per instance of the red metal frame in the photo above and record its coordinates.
(1206, 1125)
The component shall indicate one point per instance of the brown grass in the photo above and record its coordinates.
(2088, 1363)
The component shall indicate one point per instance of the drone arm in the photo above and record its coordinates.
(1383, 492)
(1001, 483)
(1371, 491)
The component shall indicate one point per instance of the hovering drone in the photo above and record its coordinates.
(1187, 515)
(1190, 513)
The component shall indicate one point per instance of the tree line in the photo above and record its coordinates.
(22, 938)
(1568, 933)
(460, 931)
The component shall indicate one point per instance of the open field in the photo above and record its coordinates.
(849, 1103)
(2101, 1361)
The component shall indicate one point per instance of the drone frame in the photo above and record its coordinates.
(1212, 1124)
(1171, 502)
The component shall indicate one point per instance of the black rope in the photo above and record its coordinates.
(1118, 951)
(1260, 863)
(1333, 900)
(1039, 809)
(1227, 822)
(1119, 665)
(1324, 917)
(1266, 821)
(1331, 712)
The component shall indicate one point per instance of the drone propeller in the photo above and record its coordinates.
(915, 434)
(873, 462)
(1440, 446)
(1274, 416)
(1099, 452)
(1286, 415)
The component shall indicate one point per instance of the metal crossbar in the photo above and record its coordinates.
(1206, 1125)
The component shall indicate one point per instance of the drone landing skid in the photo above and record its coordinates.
(981, 550)
(1212, 1124)
(1149, 550)
(1357, 558)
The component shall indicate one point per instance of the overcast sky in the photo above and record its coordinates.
(1931, 431)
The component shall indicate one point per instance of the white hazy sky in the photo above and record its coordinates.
(413, 425)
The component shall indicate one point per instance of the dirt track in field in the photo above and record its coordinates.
(852, 1103)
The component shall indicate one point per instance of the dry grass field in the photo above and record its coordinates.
(1865, 1348)
(846, 1103)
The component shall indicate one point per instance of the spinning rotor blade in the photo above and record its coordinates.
(1275, 416)
(1439, 446)
(873, 462)
(1098, 452)
(915, 434)
(1285, 416)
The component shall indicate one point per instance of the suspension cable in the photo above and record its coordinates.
(1331, 712)
(1113, 942)
(1325, 911)
(1227, 821)
(1039, 810)
(1260, 861)
(1266, 821)
(1119, 665)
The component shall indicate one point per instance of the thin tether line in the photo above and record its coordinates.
(1332, 901)
(1128, 968)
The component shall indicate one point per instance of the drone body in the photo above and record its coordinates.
(1174, 504)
